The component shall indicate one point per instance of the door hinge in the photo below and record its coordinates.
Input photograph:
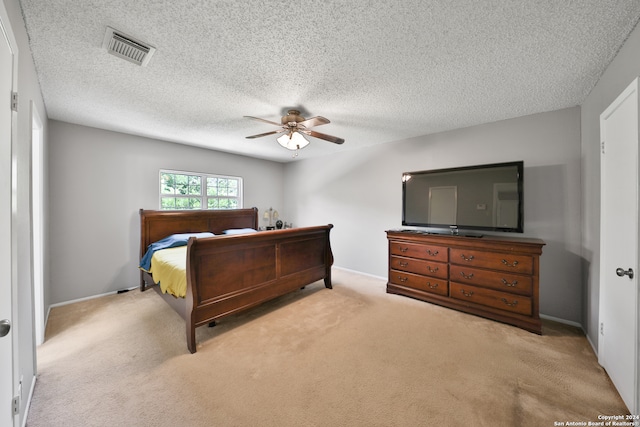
(14, 101)
(602, 328)
(16, 405)
(602, 147)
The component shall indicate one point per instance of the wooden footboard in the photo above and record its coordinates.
(229, 274)
(226, 275)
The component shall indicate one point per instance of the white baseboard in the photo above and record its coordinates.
(59, 304)
(564, 321)
(360, 272)
(46, 320)
(595, 350)
(28, 405)
(577, 325)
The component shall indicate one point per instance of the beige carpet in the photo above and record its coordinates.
(351, 356)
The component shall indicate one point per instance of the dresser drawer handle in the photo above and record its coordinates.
(432, 270)
(510, 304)
(505, 262)
(432, 253)
(402, 279)
(466, 294)
(466, 276)
(465, 258)
(403, 264)
(511, 285)
(435, 285)
(403, 249)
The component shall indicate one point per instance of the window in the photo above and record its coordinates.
(190, 190)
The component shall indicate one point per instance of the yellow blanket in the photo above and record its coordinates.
(169, 268)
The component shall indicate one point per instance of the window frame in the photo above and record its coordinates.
(204, 198)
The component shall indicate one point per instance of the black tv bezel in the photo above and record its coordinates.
(451, 227)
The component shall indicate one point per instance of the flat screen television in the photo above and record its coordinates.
(482, 197)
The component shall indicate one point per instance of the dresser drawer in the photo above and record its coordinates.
(415, 281)
(501, 300)
(413, 250)
(501, 281)
(493, 260)
(419, 266)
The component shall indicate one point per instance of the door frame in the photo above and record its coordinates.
(7, 30)
(37, 224)
(625, 94)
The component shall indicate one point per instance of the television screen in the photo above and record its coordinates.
(482, 197)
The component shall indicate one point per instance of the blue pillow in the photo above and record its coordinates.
(168, 242)
(239, 231)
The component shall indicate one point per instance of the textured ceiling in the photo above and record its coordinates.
(381, 71)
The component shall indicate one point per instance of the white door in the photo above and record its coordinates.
(6, 347)
(618, 343)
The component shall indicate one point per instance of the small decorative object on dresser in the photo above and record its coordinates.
(270, 215)
(493, 277)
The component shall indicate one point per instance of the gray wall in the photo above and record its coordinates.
(28, 92)
(359, 191)
(99, 180)
(623, 69)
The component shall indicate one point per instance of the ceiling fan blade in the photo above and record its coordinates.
(263, 120)
(314, 121)
(324, 136)
(266, 134)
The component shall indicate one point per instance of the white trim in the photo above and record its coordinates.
(60, 304)
(46, 319)
(28, 403)
(360, 272)
(36, 162)
(564, 321)
(593, 347)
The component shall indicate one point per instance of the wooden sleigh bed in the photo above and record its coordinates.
(227, 274)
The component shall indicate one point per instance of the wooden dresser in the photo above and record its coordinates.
(489, 276)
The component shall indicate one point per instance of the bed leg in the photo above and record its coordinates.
(327, 282)
(191, 338)
(212, 323)
(143, 281)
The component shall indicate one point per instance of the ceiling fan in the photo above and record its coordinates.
(293, 126)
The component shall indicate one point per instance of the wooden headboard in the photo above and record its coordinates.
(156, 225)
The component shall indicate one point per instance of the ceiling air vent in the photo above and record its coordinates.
(126, 47)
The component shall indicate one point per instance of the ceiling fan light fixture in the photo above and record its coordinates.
(293, 141)
(292, 128)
